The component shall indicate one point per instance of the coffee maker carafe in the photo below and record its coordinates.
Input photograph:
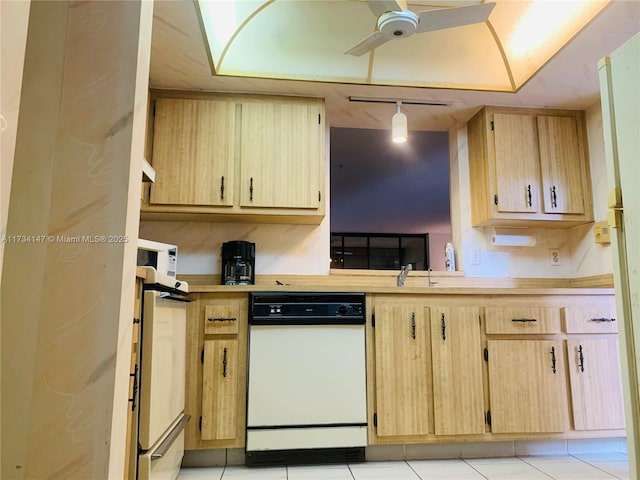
(238, 263)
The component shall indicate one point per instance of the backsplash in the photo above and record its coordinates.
(280, 249)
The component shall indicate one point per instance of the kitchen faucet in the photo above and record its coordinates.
(403, 274)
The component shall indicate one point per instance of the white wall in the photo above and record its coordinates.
(588, 257)
(579, 254)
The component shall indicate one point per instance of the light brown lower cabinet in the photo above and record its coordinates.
(456, 350)
(402, 370)
(527, 386)
(439, 369)
(428, 370)
(216, 365)
(596, 386)
(220, 389)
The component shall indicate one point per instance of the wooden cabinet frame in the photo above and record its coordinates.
(529, 167)
(216, 367)
(250, 158)
(555, 326)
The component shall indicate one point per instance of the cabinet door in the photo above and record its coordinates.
(458, 400)
(561, 165)
(402, 370)
(220, 389)
(193, 152)
(281, 154)
(517, 168)
(527, 386)
(596, 386)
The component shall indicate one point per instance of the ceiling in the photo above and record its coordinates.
(467, 66)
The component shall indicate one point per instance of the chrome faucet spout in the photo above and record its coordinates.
(403, 274)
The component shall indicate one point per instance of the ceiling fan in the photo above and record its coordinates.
(397, 22)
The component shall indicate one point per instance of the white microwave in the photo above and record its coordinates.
(161, 256)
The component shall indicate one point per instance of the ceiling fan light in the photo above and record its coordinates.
(399, 127)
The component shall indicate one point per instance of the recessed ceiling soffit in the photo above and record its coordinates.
(308, 40)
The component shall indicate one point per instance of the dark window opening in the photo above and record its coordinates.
(379, 251)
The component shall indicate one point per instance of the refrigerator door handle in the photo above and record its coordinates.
(165, 445)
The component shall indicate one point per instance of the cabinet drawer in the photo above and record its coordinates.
(522, 320)
(590, 319)
(220, 319)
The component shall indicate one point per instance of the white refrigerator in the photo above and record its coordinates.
(620, 98)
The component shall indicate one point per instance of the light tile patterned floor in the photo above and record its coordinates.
(604, 466)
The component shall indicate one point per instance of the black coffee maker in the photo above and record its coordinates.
(238, 263)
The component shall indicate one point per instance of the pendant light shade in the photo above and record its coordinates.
(399, 126)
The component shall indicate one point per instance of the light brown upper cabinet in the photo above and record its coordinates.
(236, 158)
(280, 153)
(529, 167)
(193, 152)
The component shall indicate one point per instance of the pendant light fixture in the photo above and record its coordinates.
(399, 126)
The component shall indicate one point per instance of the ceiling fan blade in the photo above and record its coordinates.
(372, 41)
(453, 17)
(378, 7)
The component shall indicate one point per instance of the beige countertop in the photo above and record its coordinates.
(417, 283)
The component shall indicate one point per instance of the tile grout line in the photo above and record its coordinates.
(411, 467)
(598, 468)
(474, 468)
(351, 471)
(536, 468)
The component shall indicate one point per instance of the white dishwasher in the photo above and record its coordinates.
(307, 378)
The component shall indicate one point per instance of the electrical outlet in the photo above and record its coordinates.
(555, 256)
(475, 257)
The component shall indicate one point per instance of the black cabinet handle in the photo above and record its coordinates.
(554, 197)
(251, 189)
(524, 320)
(443, 324)
(580, 359)
(221, 319)
(222, 188)
(529, 203)
(602, 320)
(553, 359)
(134, 391)
(224, 363)
(413, 325)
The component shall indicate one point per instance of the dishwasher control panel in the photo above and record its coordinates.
(306, 306)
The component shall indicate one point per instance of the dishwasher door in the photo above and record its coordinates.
(307, 386)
